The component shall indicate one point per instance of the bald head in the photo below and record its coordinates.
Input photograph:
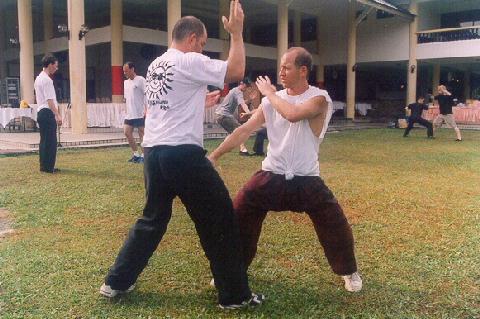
(302, 58)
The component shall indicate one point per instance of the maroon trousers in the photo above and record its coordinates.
(267, 191)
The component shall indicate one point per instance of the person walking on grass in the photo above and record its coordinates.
(296, 119)
(134, 91)
(445, 102)
(176, 164)
(48, 115)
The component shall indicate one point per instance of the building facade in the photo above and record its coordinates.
(364, 50)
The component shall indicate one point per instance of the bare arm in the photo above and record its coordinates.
(239, 136)
(236, 55)
(292, 113)
(245, 108)
(54, 109)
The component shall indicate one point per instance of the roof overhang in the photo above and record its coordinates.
(388, 7)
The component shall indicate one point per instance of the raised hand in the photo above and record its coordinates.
(265, 86)
(234, 23)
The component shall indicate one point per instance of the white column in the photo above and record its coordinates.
(282, 32)
(174, 13)
(412, 58)
(77, 66)
(47, 24)
(435, 78)
(223, 10)
(116, 49)
(297, 29)
(25, 34)
(320, 76)
(351, 59)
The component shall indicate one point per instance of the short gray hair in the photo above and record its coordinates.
(186, 26)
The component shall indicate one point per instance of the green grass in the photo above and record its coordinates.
(413, 203)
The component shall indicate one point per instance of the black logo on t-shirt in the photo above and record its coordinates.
(159, 76)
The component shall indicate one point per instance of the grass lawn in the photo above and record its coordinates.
(414, 205)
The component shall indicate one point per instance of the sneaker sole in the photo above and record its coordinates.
(115, 293)
(255, 301)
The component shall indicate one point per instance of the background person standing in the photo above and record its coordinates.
(48, 116)
(134, 91)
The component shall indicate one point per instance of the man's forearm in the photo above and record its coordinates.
(245, 108)
(53, 107)
(285, 109)
(232, 141)
(236, 59)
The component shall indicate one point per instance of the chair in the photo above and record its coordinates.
(16, 122)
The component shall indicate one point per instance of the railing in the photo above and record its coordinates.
(448, 35)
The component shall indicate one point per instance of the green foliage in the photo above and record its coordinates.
(413, 204)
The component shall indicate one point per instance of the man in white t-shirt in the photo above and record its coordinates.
(48, 116)
(134, 92)
(175, 162)
(296, 119)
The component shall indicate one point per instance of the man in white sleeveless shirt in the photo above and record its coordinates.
(296, 119)
(175, 163)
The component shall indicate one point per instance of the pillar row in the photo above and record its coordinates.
(25, 34)
(76, 56)
(116, 27)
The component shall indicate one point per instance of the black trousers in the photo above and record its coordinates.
(184, 171)
(259, 139)
(421, 121)
(48, 139)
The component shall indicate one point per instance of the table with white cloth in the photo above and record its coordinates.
(467, 115)
(7, 114)
(362, 108)
(98, 114)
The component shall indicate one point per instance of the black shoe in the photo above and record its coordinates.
(258, 154)
(255, 300)
(135, 159)
(458, 140)
(431, 137)
(244, 153)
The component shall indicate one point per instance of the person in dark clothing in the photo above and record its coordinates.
(260, 137)
(445, 102)
(416, 110)
(175, 163)
(48, 116)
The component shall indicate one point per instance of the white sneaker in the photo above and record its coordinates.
(108, 292)
(353, 282)
(212, 283)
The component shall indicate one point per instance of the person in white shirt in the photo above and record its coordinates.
(175, 162)
(48, 116)
(296, 119)
(134, 92)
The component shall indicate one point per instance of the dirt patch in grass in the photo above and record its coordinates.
(5, 224)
